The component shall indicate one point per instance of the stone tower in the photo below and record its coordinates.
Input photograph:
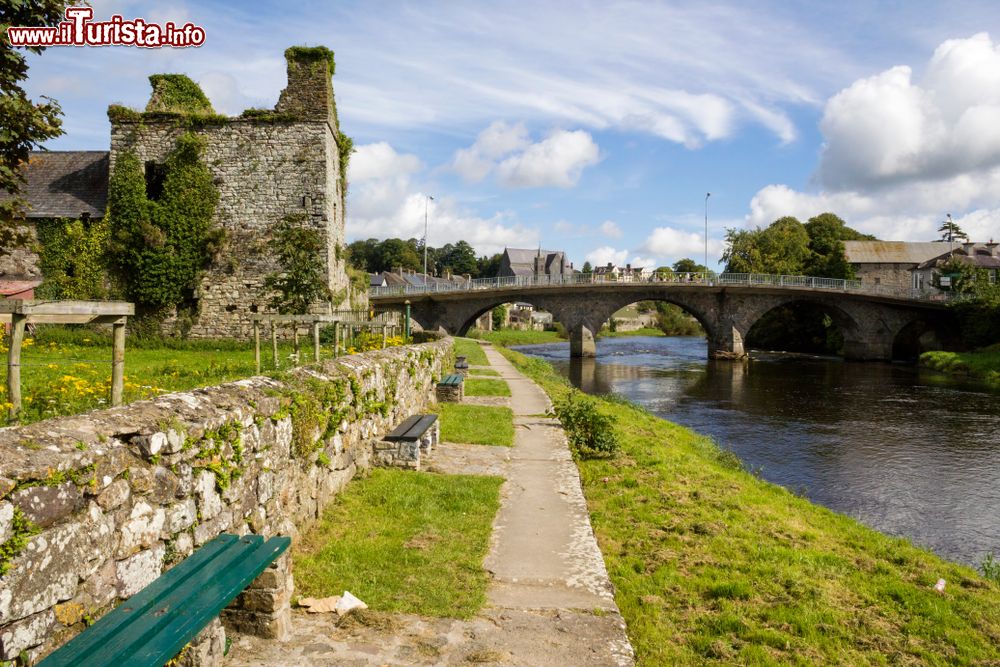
(268, 165)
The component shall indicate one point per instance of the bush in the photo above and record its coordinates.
(591, 433)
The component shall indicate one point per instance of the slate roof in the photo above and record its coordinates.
(981, 257)
(65, 184)
(527, 256)
(893, 252)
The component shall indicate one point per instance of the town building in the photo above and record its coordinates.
(523, 262)
(915, 265)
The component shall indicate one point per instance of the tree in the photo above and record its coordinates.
(459, 258)
(587, 268)
(301, 280)
(827, 233)
(394, 253)
(781, 248)
(488, 267)
(743, 253)
(26, 124)
(688, 265)
(950, 231)
(362, 255)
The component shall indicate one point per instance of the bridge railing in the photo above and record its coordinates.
(693, 279)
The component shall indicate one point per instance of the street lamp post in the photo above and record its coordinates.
(429, 198)
(707, 195)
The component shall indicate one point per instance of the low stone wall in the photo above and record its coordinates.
(94, 507)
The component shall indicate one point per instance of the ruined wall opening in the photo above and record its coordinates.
(801, 326)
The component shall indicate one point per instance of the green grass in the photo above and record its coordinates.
(472, 351)
(403, 542)
(645, 331)
(507, 337)
(485, 372)
(476, 424)
(983, 364)
(475, 387)
(713, 565)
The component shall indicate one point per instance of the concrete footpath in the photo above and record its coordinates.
(550, 601)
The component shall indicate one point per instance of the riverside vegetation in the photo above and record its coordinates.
(714, 565)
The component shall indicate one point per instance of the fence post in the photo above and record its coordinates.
(117, 362)
(336, 339)
(315, 333)
(256, 344)
(14, 363)
(406, 323)
(274, 343)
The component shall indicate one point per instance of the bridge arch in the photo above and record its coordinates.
(803, 317)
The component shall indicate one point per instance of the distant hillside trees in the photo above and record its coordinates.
(459, 258)
(788, 247)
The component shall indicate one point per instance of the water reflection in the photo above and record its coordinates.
(907, 453)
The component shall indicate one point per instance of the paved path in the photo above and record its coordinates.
(550, 601)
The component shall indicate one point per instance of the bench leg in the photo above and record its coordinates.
(264, 608)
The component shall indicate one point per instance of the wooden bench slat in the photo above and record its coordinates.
(452, 380)
(411, 429)
(152, 626)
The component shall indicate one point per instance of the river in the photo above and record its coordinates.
(907, 452)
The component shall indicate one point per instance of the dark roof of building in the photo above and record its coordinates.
(527, 255)
(978, 255)
(65, 184)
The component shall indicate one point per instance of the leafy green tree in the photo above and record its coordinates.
(301, 281)
(950, 231)
(499, 316)
(688, 265)
(587, 268)
(394, 253)
(25, 124)
(488, 266)
(743, 251)
(459, 258)
(827, 233)
(362, 255)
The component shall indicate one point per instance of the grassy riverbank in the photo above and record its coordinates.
(507, 337)
(403, 541)
(712, 564)
(983, 364)
(645, 331)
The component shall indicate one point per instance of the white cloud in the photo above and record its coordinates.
(497, 141)
(902, 151)
(674, 244)
(384, 201)
(611, 229)
(601, 256)
(557, 161)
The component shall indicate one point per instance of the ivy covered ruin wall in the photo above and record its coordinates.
(264, 171)
(96, 506)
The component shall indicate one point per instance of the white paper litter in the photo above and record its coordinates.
(348, 603)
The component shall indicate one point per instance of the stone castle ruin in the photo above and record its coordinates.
(267, 166)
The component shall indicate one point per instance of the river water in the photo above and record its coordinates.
(907, 452)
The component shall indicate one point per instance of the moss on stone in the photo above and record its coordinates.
(21, 531)
(311, 54)
(177, 93)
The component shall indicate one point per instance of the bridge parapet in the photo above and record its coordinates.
(582, 280)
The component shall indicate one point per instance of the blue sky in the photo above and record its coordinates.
(598, 127)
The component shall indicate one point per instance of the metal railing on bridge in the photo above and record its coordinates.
(692, 279)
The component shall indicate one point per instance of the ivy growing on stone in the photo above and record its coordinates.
(177, 93)
(73, 258)
(21, 531)
(159, 248)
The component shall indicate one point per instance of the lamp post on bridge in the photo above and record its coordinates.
(707, 195)
(428, 199)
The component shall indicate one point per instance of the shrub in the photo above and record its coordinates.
(591, 433)
(991, 568)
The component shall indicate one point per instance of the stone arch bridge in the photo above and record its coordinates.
(872, 321)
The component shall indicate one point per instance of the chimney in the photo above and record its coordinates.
(992, 248)
(969, 248)
(309, 93)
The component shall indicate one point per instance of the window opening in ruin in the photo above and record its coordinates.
(156, 174)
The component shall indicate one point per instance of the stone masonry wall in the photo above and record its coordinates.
(96, 506)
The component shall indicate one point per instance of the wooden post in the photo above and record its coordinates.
(14, 363)
(295, 341)
(385, 335)
(316, 342)
(274, 342)
(256, 345)
(117, 362)
(336, 339)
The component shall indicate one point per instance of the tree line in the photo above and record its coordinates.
(375, 256)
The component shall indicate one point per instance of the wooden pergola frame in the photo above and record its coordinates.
(20, 313)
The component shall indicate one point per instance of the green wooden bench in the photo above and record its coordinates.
(412, 429)
(152, 626)
(451, 381)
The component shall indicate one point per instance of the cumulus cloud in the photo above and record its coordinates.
(673, 244)
(495, 142)
(611, 229)
(605, 254)
(900, 151)
(384, 201)
(556, 161)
